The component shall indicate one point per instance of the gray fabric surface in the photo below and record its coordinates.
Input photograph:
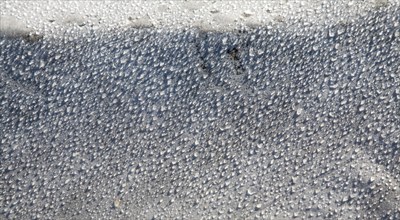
(269, 123)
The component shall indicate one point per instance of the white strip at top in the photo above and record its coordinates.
(44, 17)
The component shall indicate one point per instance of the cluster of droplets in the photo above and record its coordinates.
(263, 123)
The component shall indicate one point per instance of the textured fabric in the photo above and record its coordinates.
(278, 122)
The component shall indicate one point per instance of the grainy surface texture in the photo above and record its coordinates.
(270, 122)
